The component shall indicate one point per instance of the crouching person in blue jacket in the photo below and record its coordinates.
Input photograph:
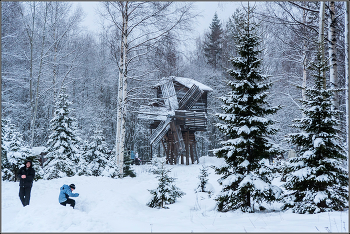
(65, 193)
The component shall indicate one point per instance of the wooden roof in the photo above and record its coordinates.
(188, 82)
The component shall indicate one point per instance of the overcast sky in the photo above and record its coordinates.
(207, 9)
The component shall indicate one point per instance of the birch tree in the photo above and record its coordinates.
(346, 40)
(138, 24)
(321, 38)
(332, 51)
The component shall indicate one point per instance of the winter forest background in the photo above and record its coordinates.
(56, 73)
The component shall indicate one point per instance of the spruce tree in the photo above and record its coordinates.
(15, 152)
(213, 42)
(96, 155)
(246, 177)
(166, 192)
(316, 181)
(62, 144)
(203, 181)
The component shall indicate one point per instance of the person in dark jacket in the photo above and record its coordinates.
(66, 192)
(26, 176)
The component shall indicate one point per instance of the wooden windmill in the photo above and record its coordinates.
(179, 113)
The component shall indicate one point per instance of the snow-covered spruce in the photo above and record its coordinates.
(203, 185)
(95, 156)
(316, 179)
(246, 177)
(166, 192)
(62, 152)
(15, 152)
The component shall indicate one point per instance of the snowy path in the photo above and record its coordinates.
(119, 205)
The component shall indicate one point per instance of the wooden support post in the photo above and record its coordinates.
(151, 147)
(175, 153)
(191, 151)
(187, 148)
(171, 153)
(195, 150)
(166, 150)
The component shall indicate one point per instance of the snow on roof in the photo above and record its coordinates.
(188, 82)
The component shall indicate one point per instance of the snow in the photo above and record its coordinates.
(318, 142)
(119, 205)
(38, 150)
(188, 82)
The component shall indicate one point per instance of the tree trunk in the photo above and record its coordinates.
(122, 95)
(38, 79)
(321, 37)
(332, 55)
(346, 40)
(303, 92)
(55, 66)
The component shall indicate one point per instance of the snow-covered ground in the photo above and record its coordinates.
(119, 205)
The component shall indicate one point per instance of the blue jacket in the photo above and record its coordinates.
(65, 193)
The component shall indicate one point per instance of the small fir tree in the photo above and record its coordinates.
(166, 192)
(62, 148)
(203, 181)
(246, 177)
(127, 170)
(213, 42)
(316, 179)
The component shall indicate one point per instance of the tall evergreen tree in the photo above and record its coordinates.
(62, 144)
(213, 42)
(247, 175)
(316, 180)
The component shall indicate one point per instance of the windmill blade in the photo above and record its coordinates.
(153, 113)
(160, 131)
(169, 95)
(190, 98)
(179, 141)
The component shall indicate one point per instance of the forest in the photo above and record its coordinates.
(51, 66)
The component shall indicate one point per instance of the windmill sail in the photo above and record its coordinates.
(169, 95)
(190, 98)
(160, 131)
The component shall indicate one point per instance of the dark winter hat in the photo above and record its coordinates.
(31, 163)
(72, 186)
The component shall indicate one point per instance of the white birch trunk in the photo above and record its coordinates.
(332, 55)
(122, 95)
(321, 38)
(303, 91)
(346, 40)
